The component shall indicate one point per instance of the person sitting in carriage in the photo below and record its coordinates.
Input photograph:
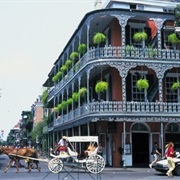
(62, 145)
(90, 148)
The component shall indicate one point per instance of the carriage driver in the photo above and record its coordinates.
(62, 144)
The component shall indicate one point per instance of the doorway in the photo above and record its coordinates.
(140, 149)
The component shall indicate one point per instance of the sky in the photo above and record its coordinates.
(33, 33)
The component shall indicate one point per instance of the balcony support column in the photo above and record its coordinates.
(88, 75)
(159, 24)
(73, 101)
(123, 71)
(79, 100)
(123, 19)
(88, 27)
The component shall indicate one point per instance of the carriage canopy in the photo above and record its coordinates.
(82, 139)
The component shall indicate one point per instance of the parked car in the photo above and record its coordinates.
(162, 165)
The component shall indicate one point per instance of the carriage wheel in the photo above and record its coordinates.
(55, 165)
(95, 164)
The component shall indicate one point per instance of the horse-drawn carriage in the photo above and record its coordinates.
(91, 161)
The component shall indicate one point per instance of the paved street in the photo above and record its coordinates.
(107, 174)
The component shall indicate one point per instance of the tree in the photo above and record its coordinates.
(38, 129)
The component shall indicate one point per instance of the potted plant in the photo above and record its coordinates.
(68, 63)
(75, 96)
(82, 91)
(99, 38)
(59, 75)
(130, 50)
(82, 49)
(74, 55)
(152, 52)
(175, 86)
(63, 68)
(101, 86)
(69, 101)
(55, 78)
(140, 37)
(142, 84)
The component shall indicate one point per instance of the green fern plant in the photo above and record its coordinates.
(82, 49)
(75, 96)
(101, 86)
(175, 86)
(99, 38)
(82, 91)
(142, 84)
(74, 56)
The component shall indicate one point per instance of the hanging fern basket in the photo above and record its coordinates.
(101, 87)
(175, 86)
(142, 84)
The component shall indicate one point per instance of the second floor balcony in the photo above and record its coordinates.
(119, 109)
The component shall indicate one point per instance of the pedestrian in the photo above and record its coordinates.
(165, 152)
(100, 150)
(156, 153)
(170, 159)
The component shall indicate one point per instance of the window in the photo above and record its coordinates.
(166, 33)
(136, 94)
(134, 43)
(171, 96)
(139, 127)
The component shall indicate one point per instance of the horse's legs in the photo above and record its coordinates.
(17, 165)
(37, 166)
(8, 164)
(30, 165)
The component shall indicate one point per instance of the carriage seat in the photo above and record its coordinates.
(72, 153)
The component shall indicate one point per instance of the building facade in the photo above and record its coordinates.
(127, 119)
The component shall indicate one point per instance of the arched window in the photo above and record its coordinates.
(172, 127)
(139, 127)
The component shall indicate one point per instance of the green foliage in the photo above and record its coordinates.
(68, 63)
(151, 51)
(38, 129)
(175, 86)
(99, 38)
(82, 91)
(142, 84)
(59, 75)
(55, 109)
(75, 96)
(55, 78)
(101, 86)
(140, 36)
(74, 56)
(44, 97)
(64, 105)
(63, 68)
(172, 38)
(177, 16)
(69, 101)
(82, 49)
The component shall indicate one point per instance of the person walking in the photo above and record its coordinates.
(165, 152)
(170, 159)
(155, 153)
